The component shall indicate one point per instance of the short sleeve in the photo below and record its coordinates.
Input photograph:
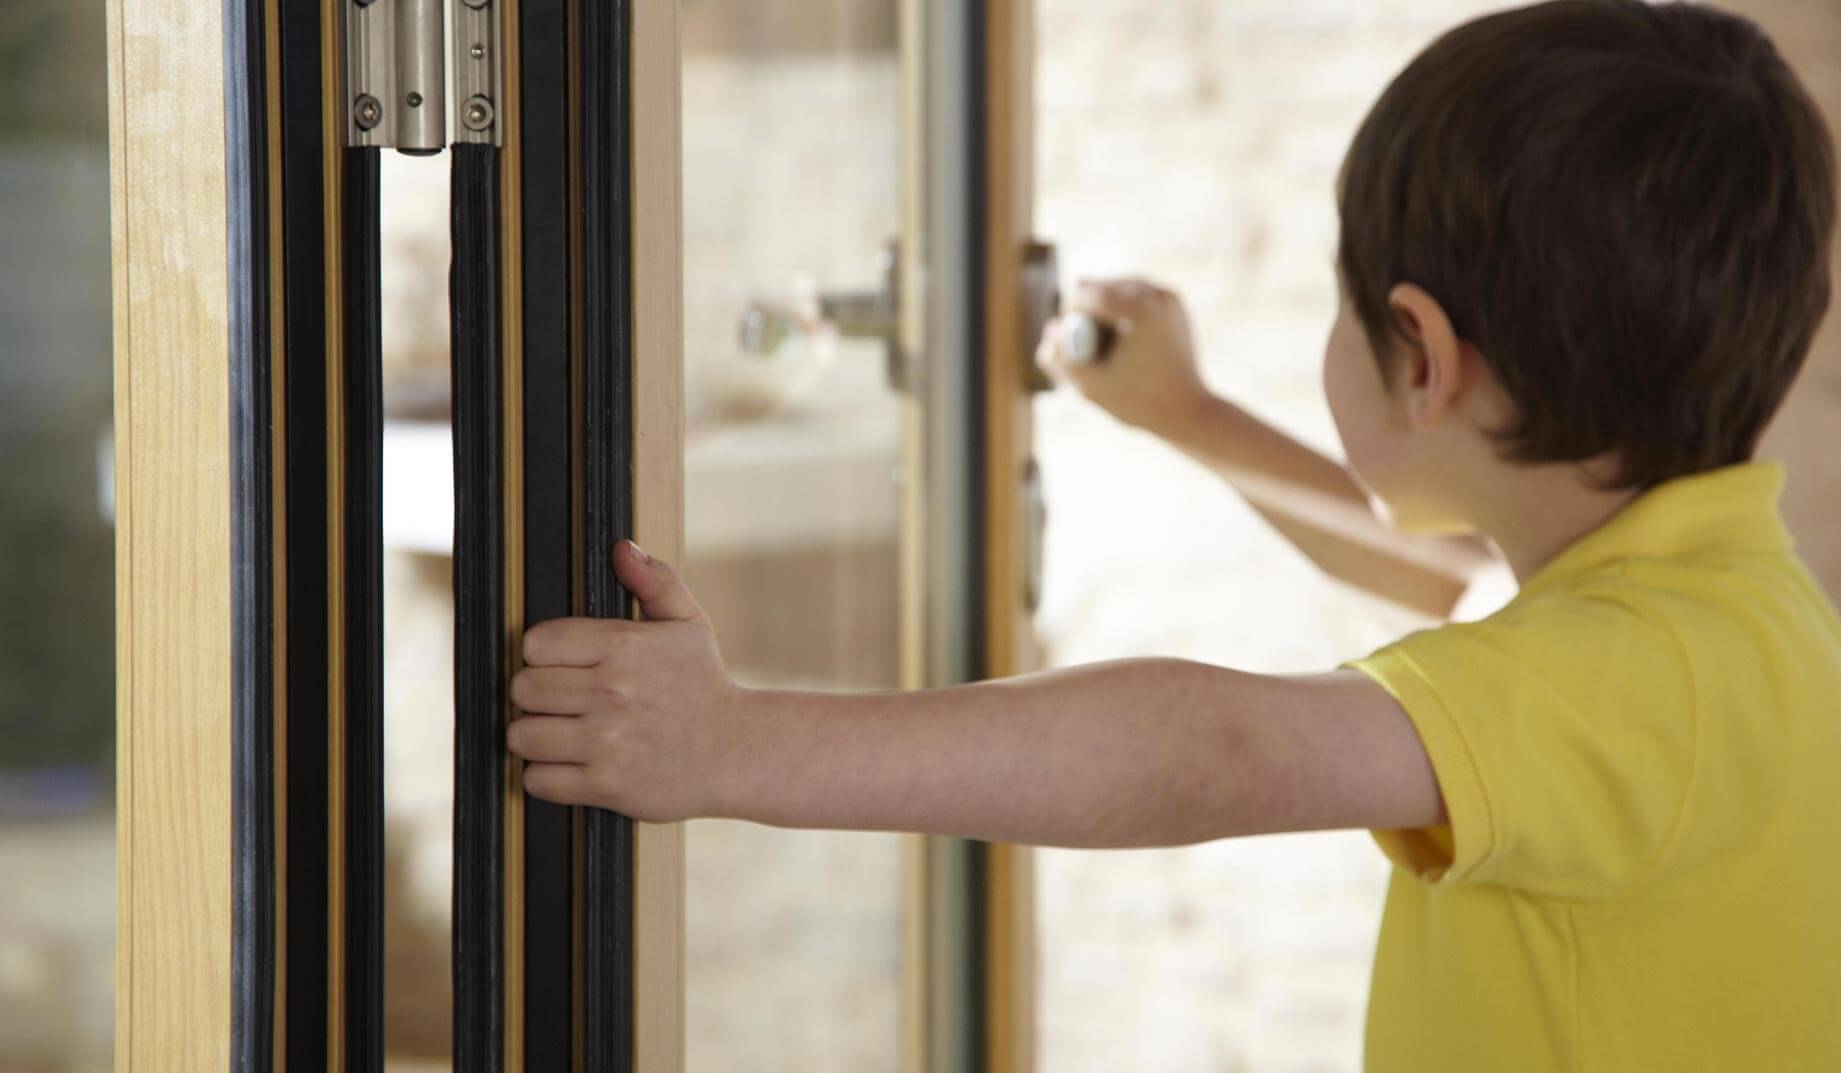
(1562, 733)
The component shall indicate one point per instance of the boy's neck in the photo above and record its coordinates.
(1537, 512)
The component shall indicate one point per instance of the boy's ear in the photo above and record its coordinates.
(1438, 371)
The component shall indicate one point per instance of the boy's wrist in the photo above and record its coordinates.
(1195, 421)
(729, 791)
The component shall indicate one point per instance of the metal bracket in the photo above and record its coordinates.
(396, 74)
(396, 83)
(478, 73)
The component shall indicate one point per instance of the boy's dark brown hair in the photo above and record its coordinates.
(1626, 208)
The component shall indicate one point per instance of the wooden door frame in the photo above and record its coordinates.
(171, 275)
(1010, 642)
(968, 196)
(658, 503)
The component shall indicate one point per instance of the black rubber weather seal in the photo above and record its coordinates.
(252, 594)
(549, 503)
(604, 200)
(304, 469)
(364, 614)
(479, 613)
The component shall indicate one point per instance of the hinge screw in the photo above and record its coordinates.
(368, 112)
(415, 99)
(478, 52)
(477, 114)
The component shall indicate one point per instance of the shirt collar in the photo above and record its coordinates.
(1733, 508)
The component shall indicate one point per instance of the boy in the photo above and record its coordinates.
(1584, 247)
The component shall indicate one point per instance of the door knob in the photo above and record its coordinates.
(1086, 338)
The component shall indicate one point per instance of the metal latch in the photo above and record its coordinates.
(851, 314)
(396, 80)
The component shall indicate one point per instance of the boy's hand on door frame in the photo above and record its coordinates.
(637, 717)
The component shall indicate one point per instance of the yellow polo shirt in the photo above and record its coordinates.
(1641, 760)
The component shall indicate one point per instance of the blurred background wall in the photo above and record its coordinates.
(57, 894)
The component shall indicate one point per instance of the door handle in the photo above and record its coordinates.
(873, 314)
(1085, 337)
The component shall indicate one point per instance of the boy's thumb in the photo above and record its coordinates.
(655, 585)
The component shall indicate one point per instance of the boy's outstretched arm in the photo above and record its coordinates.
(641, 717)
(1149, 379)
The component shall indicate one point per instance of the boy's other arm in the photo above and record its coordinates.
(1315, 504)
(640, 717)
(1149, 379)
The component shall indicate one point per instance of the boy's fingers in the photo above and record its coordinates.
(662, 596)
(570, 642)
(551, 738)
(1111, 301)
(555, 690)
(1048, 351)
(565, 784)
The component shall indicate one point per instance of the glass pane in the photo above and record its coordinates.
(418, 617)
(57, 638)
(793, 517)
(1206, 157)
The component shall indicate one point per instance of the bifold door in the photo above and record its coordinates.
(566, 416)
(245, 145)
(245, 215)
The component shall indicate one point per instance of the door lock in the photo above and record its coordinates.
(1041, 303)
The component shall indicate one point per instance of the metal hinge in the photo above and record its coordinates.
(396, 80)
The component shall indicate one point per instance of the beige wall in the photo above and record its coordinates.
(1807, 435)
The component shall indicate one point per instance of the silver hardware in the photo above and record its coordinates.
(1085, 338)
(477, 75)
(393, 53)
(763, 329)
(851, 314)
(367, 112)
(477, 116)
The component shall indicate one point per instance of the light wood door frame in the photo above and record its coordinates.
(967, 218)
(173, 541)
(658, 504)
(1011, 485)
